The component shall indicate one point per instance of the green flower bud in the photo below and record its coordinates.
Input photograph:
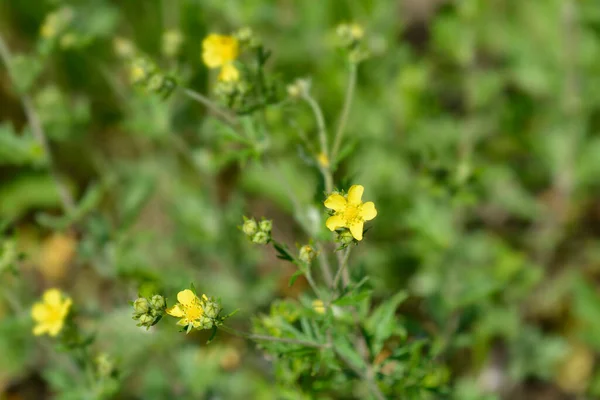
(261, 238)
(141, 306)
(266, 225)
(211, 308)
(146, 320)
(250, 227)
(307, 254)
(158, 303)
(155, 83)
(205, 323)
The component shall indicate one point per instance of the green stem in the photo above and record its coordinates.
(342, 266)
(35, 124)
(322, 130)
(256, 337)
(223, 114)
(337, 141)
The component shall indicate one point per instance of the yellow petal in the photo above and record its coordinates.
(357, 230)
(186, 297)
(40, 329)
(52, 297)
(355, 194)
(335, 222)
(175, 311)
(55, 328)
(368, 211)
(229, 73)
(39, 312)
(336, 202)
(182, 322)
(66, 306)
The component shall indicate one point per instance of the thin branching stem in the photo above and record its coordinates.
(223, 114)
(257, 337)
(337, 140)
(322, 131)
(37, 129)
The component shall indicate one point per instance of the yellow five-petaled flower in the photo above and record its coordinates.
(189, 309)
(220, 51)
(350, 211)
(51, 312)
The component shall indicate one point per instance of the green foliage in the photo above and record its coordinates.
(472, 125)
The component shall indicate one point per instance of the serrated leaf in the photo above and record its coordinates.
(353, 297)
(282, 252)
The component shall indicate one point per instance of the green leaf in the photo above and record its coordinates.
(282, 252)
(136, 196)
(293, 278)
(353, 298)
(348, 352)
(382, 323)
(19, 149)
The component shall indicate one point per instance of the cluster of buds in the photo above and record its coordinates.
(149, 311)
(258, 232)
(307, 254)
(212, 308)
(145, 74)
(350, 37)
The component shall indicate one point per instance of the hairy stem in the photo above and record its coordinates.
(223, 114)
(337, 141)
(257, 337)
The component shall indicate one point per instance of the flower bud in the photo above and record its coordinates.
(211, 308)
(261, 238)
(250, 227)
(158, 303)
(266, 225)
(141, 306)
(318, 306)
(104, 365)
(205, 323)
(307, 254)
(146, 320)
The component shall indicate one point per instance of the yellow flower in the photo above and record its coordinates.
(50, 314)
(219, 50)
(189, 309)
(350, 211)
(229, 73)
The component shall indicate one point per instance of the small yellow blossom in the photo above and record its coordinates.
(50, 314)
(323, 160)
(219, 50)
(229, 73)
(350, 211)
(189, 309)
(318, 306)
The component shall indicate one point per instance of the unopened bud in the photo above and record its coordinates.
(266, 225)
(146, 320)
(318, 306)
(141, 306)
(158, 303)
(211, 308)
(261, 238)
(307, 254)
(250, 227)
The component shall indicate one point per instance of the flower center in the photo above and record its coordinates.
(193, 311)
(351, 214)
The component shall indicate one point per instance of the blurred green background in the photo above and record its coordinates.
(474, 130)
